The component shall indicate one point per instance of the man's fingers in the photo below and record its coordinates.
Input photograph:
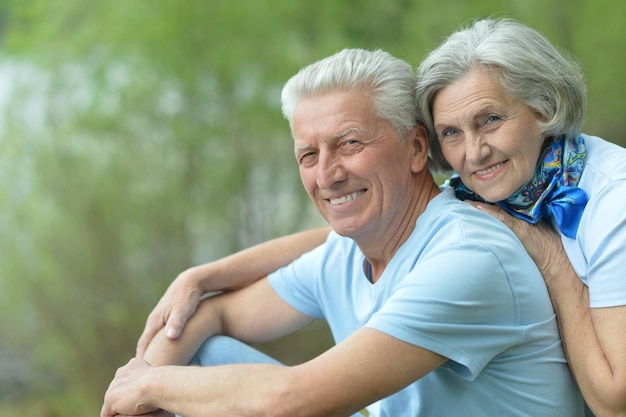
(143, 342)
(171, 313)
(178, 318)
(154, 323)
(174, 326)
(105, 411)
(158, 413)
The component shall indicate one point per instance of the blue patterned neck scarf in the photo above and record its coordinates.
(552, 192)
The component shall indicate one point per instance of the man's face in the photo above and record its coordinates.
(352, 163)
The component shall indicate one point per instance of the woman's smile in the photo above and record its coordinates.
(491, 140)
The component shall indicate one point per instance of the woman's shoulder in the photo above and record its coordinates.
(605, 165)
(604, 155)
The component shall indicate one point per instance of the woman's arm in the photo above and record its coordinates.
(594, 339)
(235, 271)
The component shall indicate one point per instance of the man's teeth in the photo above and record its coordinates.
(488, 170)
(346, 198)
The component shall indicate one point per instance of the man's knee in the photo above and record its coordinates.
(222, 350)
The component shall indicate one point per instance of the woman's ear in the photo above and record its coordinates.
(419, 140)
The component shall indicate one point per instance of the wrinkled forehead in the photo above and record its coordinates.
(333, 114)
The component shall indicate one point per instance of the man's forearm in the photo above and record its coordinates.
(229, 390)
(247, 266)
(204, 324)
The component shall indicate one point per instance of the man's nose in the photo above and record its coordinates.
(330, 170)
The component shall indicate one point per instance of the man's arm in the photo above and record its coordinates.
(254, 314)
(367, 366)
(235, 271)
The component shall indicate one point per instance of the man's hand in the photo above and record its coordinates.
(157, 413)
(173, 309)
(236, 271)
(123, 395)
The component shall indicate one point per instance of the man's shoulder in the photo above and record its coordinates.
(446, 213)
(451, 227)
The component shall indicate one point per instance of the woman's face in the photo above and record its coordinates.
(490, 139)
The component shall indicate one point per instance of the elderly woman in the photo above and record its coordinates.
(504, 109)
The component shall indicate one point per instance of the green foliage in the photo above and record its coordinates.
(144, 136)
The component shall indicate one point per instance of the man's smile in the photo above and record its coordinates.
(346, 198)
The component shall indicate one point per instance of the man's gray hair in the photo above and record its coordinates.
(528, 66)
(390, 80)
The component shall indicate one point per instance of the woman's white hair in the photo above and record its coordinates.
(528, 66)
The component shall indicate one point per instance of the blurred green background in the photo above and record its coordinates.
(140, 137)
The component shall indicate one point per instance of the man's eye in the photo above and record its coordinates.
(305, 157)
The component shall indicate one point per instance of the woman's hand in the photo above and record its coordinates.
(541, 241)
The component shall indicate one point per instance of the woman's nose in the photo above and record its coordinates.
(476, 149)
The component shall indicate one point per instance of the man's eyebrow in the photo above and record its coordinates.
(344, 132)
(337, 135)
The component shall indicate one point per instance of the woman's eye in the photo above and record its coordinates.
(492, 119)
(448, 132)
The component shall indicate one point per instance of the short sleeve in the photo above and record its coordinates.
(604, 245)
(296, 283)
(458, 303)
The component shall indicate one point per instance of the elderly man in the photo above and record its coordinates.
(435, 308)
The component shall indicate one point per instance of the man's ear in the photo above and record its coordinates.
(419, 141)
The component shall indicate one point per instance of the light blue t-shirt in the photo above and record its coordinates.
(598, 254)
(461, 286)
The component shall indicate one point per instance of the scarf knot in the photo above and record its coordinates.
(552, 193)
